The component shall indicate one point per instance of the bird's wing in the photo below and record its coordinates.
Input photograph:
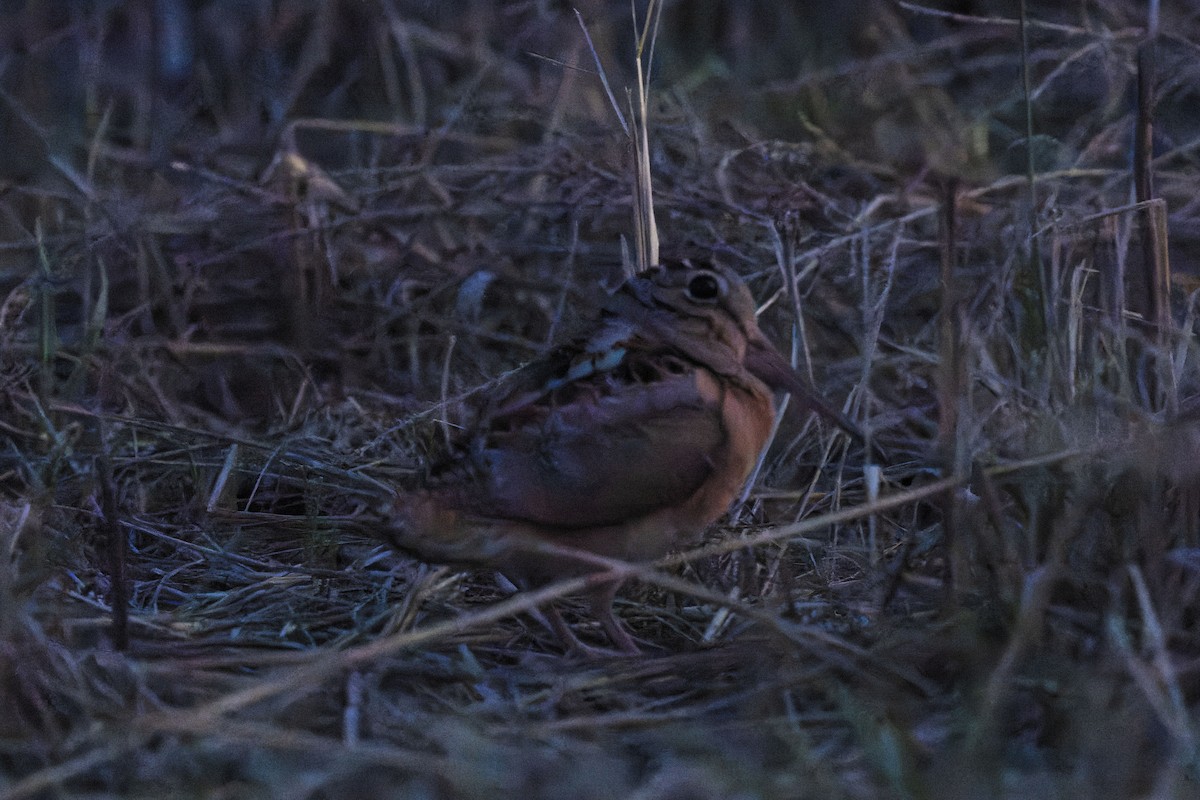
(603, 460)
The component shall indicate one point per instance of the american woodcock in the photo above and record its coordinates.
(625, 444)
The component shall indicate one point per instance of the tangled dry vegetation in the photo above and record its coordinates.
(255, 258)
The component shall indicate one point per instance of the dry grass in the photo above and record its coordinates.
(256, 259)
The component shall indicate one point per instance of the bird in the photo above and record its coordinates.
(625, 443)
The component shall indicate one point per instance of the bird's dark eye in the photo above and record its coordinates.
(704, 288)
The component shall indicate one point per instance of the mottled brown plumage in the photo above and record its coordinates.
(627, 444)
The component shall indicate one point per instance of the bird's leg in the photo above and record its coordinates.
(573, 645)
(602, 598)
(601, 602)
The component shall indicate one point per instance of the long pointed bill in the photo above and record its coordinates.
(768, 365)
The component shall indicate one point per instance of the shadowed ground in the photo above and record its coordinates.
(258, 261)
